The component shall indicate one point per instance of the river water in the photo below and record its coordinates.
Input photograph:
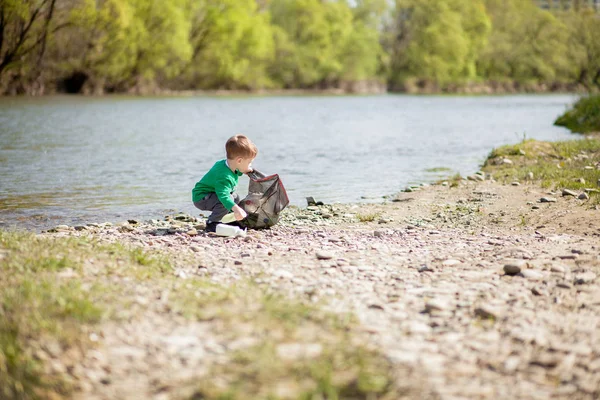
(77, 159)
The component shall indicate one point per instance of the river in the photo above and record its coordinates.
(84, 159)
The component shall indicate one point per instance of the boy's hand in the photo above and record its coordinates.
(239, 213)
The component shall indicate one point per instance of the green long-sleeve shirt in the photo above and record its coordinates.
(220, 180)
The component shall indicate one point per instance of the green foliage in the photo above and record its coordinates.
(584, 117)
(526, 44)
(143, 45)
(442, 40)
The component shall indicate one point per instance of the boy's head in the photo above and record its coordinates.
(241, 151)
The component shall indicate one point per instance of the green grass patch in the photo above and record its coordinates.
(44, 299)
(584, 117)
(368, 217)
(570, 164)
(295, 351)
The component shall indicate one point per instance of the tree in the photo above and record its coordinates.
(526, 43)
(25, 26)
(437, 40)
(583, 48)
(232, 43)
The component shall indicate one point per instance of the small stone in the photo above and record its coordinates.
(237, 262)
(585, 277)
(311, 201)
(451, 262)
(487, 312)
(195, 249)
(436, 305)
(568, 192)
(583, 196)
(513, 268)
(515, 183)
(535, 207)
(62, 228)
(557, 268)
(323, 255)
(530, 175)
(532, 275)
(506, 161)
(379, 233)
(192, 232)
(547, 200)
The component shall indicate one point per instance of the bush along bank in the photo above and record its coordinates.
(584, 117)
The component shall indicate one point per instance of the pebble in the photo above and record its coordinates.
(451, 262)
(547, 200)
(515, 183)
(532, 275)
(379, 233)
(512, 268)
(557, 268)
(487, 311)
(324, 255)
(583, 196)
(568, 192)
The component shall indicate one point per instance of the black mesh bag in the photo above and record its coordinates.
(266, 198)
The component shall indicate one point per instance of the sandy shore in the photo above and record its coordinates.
(479, 291)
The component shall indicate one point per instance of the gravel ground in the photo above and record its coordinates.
(480, 291)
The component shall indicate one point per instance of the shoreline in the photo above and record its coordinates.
(409, 88)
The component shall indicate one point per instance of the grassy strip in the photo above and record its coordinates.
(54, 290)
(558, 165)
(584, 117)
(288, 350)
(45, 303)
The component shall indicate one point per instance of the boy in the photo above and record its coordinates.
(215, 191)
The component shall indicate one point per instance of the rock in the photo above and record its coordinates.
(530, 175)
(568, 192)
(583, 196)
(557, 268)
(532, 275)
(324, 255)
(451, 262)
(515, 183)
(488, 312)
(192, 232)
(585, 277)
(436, 305)
(62, 228)
(311, 201)
(195, 249)
(506, 161)
(514, 268)
(379, 233)
(547, 200)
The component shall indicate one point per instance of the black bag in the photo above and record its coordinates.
(266, 198)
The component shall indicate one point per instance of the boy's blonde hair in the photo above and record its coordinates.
(240, 146)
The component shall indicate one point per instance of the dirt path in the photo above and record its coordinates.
(426, 278)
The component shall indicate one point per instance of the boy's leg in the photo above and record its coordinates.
(212, 203)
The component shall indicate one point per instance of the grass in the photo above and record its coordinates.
(295, 351)
(584, 117)
(370, 217)
(55, 290)
(38, 306)
(555, 166)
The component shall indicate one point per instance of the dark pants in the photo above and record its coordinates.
(211, 202)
